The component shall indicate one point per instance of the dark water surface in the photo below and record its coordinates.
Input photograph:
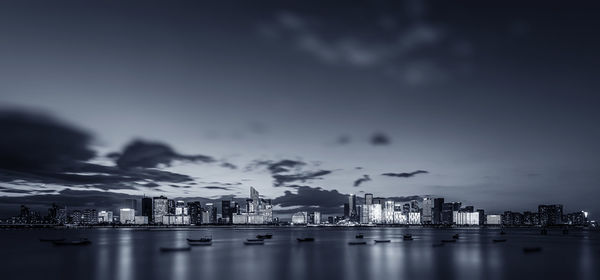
(135, 254)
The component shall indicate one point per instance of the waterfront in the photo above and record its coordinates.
(134, 254)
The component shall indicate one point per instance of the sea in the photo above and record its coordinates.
(129, 253)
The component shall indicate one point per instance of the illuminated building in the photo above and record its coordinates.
(195, 212)
(414, 218)
(127, 216)
(388, 212)
(90, 216)
(427, 217)
(299, 218)
(315, 218)
(466, 218)
(140, 220)
(550, 214)
(76, 217)
(352, 207)
(400, 218)
(493, 220)
(258, 210)
(105, 217)
(160, 209)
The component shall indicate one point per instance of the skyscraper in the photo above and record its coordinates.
(352, 206)
(226, 212)
(368, 198)
(437, 210)
(160, 209)
(447, 217)
(195, 212)
(147, 208)
(427, 216)
(171, 207)
(127, 216)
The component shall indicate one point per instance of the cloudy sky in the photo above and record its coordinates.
(491, 105)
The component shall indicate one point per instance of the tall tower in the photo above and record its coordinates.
(368, 198)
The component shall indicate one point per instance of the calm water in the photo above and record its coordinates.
(135, 254)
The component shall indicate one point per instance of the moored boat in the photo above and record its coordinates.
(407, 237)
(51, 239)
(357, 243)
(306, 239)
(203, 239)
(382, 241)
(532, 249)
(448, 240)
(265, 236)
(174, 249)
(254, 242)
(200, 243)
(455, 236)
(360, 236)
(72, 242)
(498, 240)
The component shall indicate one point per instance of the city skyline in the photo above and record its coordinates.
(310, 109)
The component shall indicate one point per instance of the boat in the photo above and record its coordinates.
(455, 236)
(531, 249)
(83, 241)
(360, 236)
(383, 241)
(357, 243)
(266, 236)
(438, 245)
(51, 240)
(174, 249)
(200, 243)
(407, 237)
(306, 239)
(203, 239)
(449, 241)
(498, 240)
(502, 233)
(254, 242)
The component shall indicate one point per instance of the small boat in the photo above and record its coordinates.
(455, 236)
(544, 231)
(254, 242)
(203, 239)
(360, 236)
(502, 233)
(531, 249)
(498, 240)
(51, 240)
(72, 242)
(266, 236)
(306, 239)
(357, 243)
(407, 237)
(438, 245)
(174, 249)
(383, 241)
(449, 241)
(200, 243)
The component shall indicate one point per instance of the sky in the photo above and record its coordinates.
(491, 104)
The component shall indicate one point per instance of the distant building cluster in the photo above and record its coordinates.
(372, 211)
(436, 211)
(157, 211)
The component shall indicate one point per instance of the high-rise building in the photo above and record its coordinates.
(437, 210)
(147, 208)
(447, 213)
(211, 211)
(127, 216)
(171, 207)
(314, 218)
(258, 210)
(76, 217)
(255, 196)
(481, 216)
(346, 210)
(90, 216)
(550, 214)
(493, 220)
(105, 217)
(300, 218)
(195, 212)
(427, 216)
(368, 198)
(352, 207)
(226, 211)
(159, 209)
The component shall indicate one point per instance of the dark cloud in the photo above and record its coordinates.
(308, 198)
(280, 180)
(228, 165)
(284, 165)
(380, 139)
(405, 174)
(217, 188)
(36, 148)
(150, 154)
(359, 181)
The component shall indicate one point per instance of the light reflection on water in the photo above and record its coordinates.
(134, 254)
